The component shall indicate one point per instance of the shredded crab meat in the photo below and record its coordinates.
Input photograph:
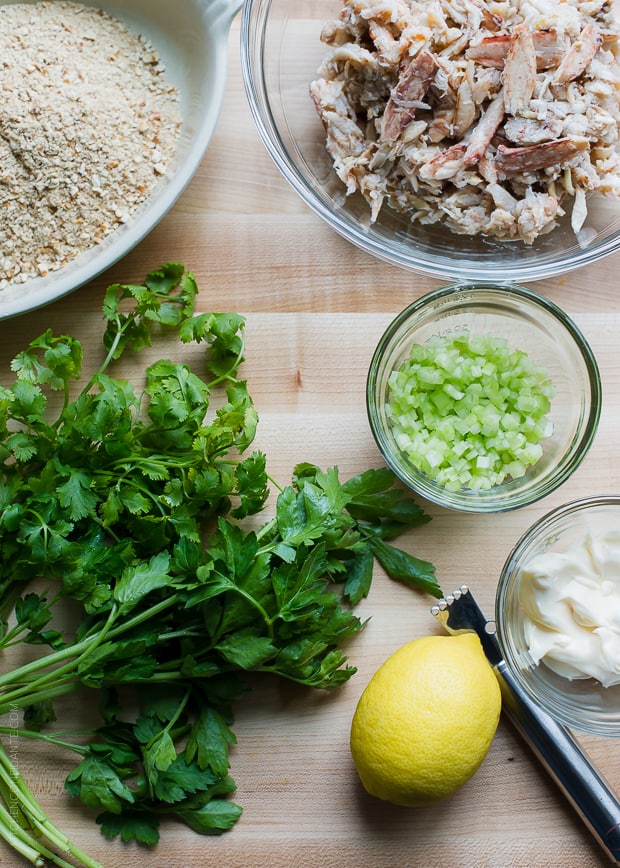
(493, 118)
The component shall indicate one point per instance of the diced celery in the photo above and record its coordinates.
(470, 411)
(453, 392)
(442, 401)
(515, 469)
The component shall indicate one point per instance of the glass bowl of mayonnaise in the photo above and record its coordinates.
(558, 614)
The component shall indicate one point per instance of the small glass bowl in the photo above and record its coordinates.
(529, 323)
(582, 704)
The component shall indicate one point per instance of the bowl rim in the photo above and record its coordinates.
(486, 502)
(564, 711)
(450, 268)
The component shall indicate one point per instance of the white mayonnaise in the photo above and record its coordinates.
(571, 608)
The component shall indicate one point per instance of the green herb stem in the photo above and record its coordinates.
(75, 653)
(24, 696)
(266, 530)
(18, 838)
(61, 680)
(18, 791)
(35, 735)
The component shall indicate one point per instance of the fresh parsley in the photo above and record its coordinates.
(129, 507)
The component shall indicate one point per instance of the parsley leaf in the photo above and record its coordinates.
(130, 504)
(98, 784)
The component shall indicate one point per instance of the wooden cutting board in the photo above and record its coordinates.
(315, 308)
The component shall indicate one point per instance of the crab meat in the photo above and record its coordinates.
(390, 49)
(464, 111)
(445, 164)
(536, 214)
(406, 97)
(532, 131)
(377, 10)
(491, 20)
(493, 118)
(345, 141)
(579, 55)
(519, 71)
(492, 50)
(532, 158)
(454, 159)
(484, 131)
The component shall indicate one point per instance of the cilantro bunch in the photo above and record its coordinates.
(129, 557)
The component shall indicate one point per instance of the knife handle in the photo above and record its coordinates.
(564, 760)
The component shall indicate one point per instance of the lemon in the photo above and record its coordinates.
(426, 720)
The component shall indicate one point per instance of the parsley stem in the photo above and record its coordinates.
(266, 529)
(24, 695)
(20, 675)
(144, 615)
(112, 351)
(18, 791)
(41, 736)
(235, 364)
(18, 838)
(61, 680)
(74, 652)
(254, 602)
(57, 674)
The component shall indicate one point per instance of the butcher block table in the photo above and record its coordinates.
(315, 307)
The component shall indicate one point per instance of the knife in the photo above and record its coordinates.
(551, 742)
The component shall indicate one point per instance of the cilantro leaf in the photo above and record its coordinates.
(49, 360)
(141, 579)
(76, 496)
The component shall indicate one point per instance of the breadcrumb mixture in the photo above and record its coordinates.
(493, 118)
(88, 124)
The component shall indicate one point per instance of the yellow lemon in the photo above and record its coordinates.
(426, 720)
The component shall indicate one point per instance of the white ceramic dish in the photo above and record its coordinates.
(192, 39)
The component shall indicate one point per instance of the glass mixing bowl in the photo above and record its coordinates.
(579, 703)
(527, 322)
(281, 52)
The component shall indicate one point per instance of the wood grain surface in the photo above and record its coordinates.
(315, 308)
